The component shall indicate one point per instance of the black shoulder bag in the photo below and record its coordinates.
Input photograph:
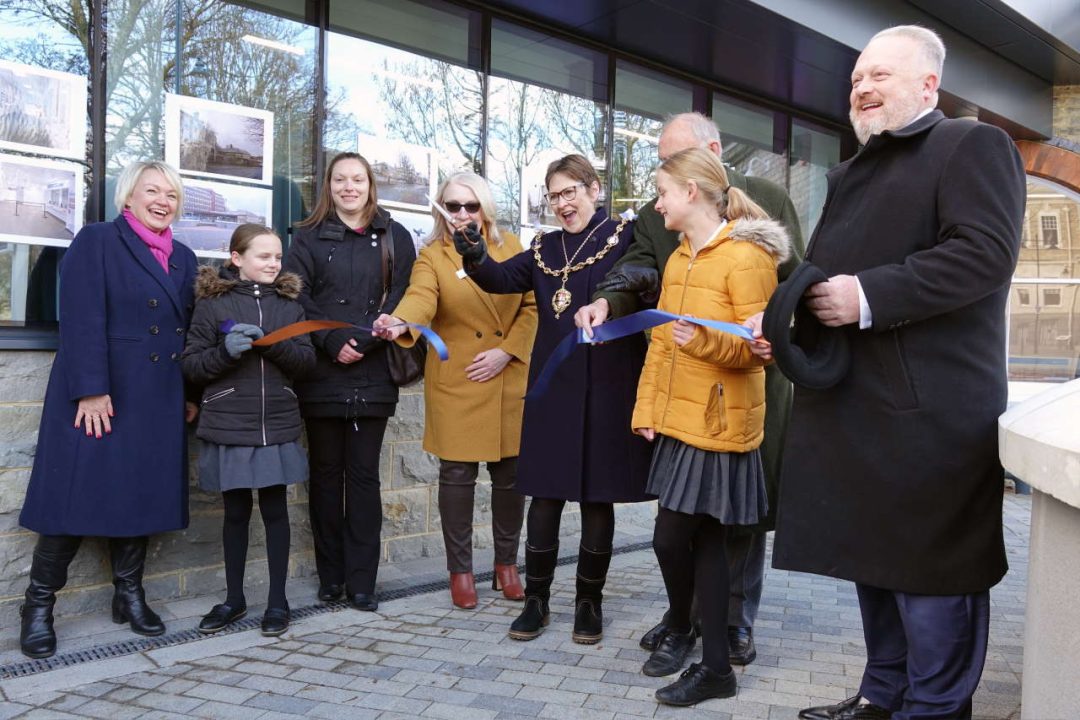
(406, 364)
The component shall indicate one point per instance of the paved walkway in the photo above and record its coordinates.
(417, 658)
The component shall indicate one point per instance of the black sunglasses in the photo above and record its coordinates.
(454, 207)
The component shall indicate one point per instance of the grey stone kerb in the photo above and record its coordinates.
(1040, 444)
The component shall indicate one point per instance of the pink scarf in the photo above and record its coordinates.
(160, 244)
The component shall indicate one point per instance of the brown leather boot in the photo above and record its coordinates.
(463, 590)
(506, 579)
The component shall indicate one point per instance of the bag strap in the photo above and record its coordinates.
(386, 250)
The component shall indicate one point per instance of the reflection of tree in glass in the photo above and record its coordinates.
(434, 104)
(633, 161)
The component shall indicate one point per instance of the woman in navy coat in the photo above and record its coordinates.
(111, 457)
(576, 441)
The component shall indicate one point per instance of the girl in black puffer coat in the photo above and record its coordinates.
(250, 419)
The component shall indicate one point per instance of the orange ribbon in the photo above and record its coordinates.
(299, 328)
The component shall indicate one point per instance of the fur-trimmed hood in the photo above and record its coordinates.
(215, 282)
(767, 234)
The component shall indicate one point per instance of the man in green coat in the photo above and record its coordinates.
(637, 274)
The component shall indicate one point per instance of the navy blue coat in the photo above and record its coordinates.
(576, 439)
(123, 322)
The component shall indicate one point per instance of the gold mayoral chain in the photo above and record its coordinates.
(561, 299)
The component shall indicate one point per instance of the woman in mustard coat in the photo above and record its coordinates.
(473, 401)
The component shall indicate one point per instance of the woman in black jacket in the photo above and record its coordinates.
(250, 419)
(355, 263)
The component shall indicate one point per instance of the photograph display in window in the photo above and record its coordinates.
(42, 111)
(219, 140)
(406, 175)
(212, 210)
(40, 200)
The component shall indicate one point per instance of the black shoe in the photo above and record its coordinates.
(220, 617)
(850, 709)
(651, 640)
(37, 638)
(741, 648)
(670, 655)
(588, 622)
(329, 593)
(532, 620)
(698, 683)
(275, 621)
(367, 602)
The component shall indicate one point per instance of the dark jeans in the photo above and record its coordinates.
(746, 572)
(344, 499)
(457, 485)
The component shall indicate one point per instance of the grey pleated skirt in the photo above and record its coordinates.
(235, 467)
(729, 486)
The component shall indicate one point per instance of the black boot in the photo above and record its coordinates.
(592, 570)
(539, 572)
(129, 600)
(48, 574)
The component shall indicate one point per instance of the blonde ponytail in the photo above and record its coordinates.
(736, 205)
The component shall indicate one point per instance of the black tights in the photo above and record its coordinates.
(690, 550)
(234, 535)
(597, 524)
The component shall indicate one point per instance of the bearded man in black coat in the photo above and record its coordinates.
(898, 486)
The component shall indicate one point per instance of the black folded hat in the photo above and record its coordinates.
(830, 358)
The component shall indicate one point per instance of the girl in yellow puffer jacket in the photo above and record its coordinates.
(701, 398)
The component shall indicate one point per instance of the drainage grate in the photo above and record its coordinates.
(129, 647)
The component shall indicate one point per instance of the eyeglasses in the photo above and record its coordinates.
(567, 194)
(455, 207)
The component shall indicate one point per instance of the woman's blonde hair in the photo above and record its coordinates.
(479, 187)
(129, 178)
(704, 168)
(324, 206)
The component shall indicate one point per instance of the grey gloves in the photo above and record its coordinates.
(238, 339)
(470, 245)
(632, 278)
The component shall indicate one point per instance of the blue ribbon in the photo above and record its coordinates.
(615, 329)
(434, 341)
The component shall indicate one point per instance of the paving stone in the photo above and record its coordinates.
(419, 659)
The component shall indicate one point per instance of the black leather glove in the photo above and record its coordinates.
(470, 246)
(238, 340)
(632, 278)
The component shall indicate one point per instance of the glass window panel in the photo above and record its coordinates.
(643, 97)
(650, 93)
(428, 109)
(634, 161)
(1051, 232)
(43, 152)
(441, 30)
(533, 57)
(241, 139)
(749, 139)
(814, 151)
(294, 9)
(1044, 332)
(528, 127)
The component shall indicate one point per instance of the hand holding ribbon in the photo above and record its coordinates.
(622, 327)
(306, 326)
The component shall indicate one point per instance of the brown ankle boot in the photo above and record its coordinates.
(463, 590)
(506, 579)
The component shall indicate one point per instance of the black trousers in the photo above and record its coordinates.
(344, 499)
